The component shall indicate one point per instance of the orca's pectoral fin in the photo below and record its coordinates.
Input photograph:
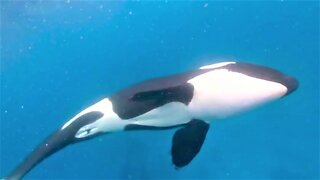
(187, 142)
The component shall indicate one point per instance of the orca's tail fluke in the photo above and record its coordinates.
(58, 140)
(52, 144)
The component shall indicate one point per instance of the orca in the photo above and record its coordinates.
(187, 101)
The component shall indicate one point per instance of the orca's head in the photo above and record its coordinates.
(89, 123)
(234, 87)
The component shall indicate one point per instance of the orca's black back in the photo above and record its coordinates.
(145, 96)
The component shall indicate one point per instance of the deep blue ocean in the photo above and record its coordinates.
(59, 57)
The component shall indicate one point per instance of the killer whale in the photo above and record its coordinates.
(188, 101)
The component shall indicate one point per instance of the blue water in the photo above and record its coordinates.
(60, 57)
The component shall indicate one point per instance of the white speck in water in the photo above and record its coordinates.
(5, 111)
(81, 37)
(47, 145)
(22, 107)
(205, 5)
(68, 1)
(130, 12)
(101, 7)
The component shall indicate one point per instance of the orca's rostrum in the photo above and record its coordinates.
(187, 101)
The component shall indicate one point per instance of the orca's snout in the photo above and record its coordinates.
(290, 83)
(266, 73)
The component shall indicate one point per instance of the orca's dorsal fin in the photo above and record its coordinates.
(187, 142)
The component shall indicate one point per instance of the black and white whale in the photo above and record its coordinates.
(188, 101)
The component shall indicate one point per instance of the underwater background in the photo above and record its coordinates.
(59, 57)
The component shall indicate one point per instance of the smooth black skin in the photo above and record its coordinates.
(135, 127)
(53, 143)
(187, 142)
(266, 73)
(143, 97)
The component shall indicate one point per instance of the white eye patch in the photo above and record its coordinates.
(216, 65)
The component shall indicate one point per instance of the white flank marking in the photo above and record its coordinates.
(100, 106)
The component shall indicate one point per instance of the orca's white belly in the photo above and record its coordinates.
(221, 93)
(171, 114)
